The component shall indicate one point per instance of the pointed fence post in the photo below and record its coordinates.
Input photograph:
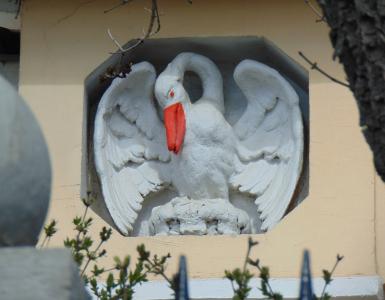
(181, 292)
(306, 290)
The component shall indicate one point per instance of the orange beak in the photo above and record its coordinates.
(175, 124)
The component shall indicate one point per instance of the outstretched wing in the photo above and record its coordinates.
(270, 133)
(129, 145)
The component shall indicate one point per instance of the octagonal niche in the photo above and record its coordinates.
(226, 53)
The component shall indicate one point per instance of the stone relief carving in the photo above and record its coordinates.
(149, 137)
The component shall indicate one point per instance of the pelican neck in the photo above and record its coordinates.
(207, 71)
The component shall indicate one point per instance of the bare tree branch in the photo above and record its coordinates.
(75, 10)
(114, 40)
(316, 11)
(123, 2)
(152, 29)
(314, 66)
(121, 69)
(18, 2)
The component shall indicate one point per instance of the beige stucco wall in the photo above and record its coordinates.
(63, 41)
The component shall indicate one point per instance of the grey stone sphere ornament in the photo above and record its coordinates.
(25, 172)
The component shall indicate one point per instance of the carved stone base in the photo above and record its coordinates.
(183, 216)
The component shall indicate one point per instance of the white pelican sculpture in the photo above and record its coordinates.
(195, 150)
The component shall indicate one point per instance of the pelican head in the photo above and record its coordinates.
(174, 99)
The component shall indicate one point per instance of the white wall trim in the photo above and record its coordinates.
(356, 286)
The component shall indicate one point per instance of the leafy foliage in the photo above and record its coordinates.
(49, 230)
(240, 279)
(122, 277)
(328, 278)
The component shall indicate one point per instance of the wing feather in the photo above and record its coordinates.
(129, 145)
(270, 135)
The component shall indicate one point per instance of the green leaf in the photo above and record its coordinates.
(68, 243)
(78, 257)
(137, 276)
(93, 283)
(105, 234)
(89, 200)
(265, 291)
(92, 255)
(143, 254)
(126, 262)
(253, 263)
(229, 275)
(264, 274)
(86, 279)
(50, 229)
(77, 220)
(87, 223)
(87, 243)
(277, 296)
(327, 276)
(97, 271)
(102, 253)
(326, 296)
(94, 287)
(118, 262)
(241, 279)
(110, 281)
(123, 276)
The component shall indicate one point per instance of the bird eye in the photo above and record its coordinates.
(171, 94)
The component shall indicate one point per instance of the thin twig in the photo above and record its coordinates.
(251, 244)
(266, 281)
(247, 256)
(123, 2)
(114, 40)
(109, 270)
(316, 12)
(75, 10)
(89, 258)
(314, 66)
(154, 21)
(159, 272)
(164, 277)
(339, 258)
(232, 286)
(44, 241)
(85, 214)
(82, 221)
(153, 28)
(18, 10)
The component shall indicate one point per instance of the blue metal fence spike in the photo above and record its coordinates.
(182, 281)
(306, 289)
